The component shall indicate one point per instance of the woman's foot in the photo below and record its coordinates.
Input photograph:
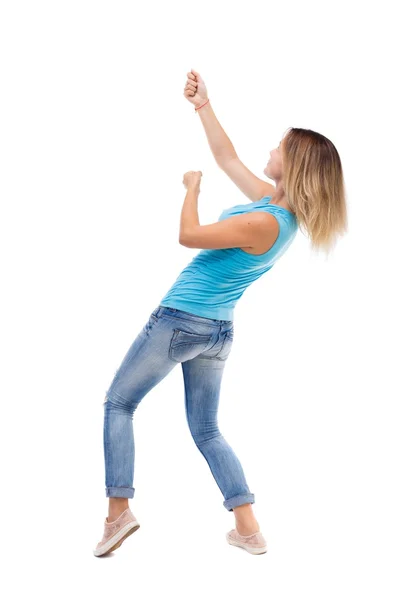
(115, 532)
(255, 544)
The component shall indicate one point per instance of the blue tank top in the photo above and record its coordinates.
(212, 283)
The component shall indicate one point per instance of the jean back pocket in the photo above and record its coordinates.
(185, 345)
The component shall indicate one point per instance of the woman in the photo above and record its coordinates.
(193, 324)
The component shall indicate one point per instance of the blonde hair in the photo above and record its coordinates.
(314, 187)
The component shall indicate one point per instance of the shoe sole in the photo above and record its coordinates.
(116, 540)
(252, 550)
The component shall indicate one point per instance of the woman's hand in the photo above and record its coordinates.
(192, 179)
(195, 90)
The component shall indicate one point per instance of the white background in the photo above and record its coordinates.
(96, 135)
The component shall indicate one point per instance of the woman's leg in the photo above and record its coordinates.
(202, 378)
(145, 364)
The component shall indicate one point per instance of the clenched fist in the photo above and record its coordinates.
(192, 179)
(195, 90)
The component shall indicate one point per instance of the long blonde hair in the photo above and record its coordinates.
(314, 187)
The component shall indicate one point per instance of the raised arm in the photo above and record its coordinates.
(221, 146)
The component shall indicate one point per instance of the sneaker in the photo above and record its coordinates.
(254, 543)
(116, 532)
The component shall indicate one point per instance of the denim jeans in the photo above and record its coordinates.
(202, 346)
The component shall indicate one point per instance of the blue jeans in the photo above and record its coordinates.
(201, 345)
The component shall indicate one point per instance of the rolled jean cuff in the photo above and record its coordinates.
(120, 492)
(231, 503)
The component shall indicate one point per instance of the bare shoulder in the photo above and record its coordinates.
(268, 224)
(267, 234)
